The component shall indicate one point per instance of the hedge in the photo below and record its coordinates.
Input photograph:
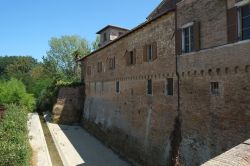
(14, 146)
(14, 91)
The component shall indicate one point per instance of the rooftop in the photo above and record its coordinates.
(113, 27)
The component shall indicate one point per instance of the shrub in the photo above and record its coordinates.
(14, 145)
(68, 83)
(13, 91)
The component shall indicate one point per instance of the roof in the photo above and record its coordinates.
(129, 32)
(113, 27)
(161, 8)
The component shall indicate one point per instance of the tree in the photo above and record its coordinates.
(14, 92)
(21, 66)
(40, 79)
(60, 58)
(96, 43)
(17, 67)
(5, 61)
(27, 70)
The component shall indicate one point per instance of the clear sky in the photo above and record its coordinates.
(26, 26)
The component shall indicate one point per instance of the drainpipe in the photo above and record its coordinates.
(176, 133)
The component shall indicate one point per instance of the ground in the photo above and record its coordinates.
(75, 146)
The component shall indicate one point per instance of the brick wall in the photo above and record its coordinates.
(68, 108)
(141, 127)
(212, 124)
(135, 124)
(212, 17)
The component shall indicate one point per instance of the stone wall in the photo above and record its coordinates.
(238, 155)
(133, 123)
(68, 108)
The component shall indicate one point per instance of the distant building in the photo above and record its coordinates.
(110, 33)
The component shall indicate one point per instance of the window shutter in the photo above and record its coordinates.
(109, 61)
(232, 34)
(196, 36)
(154, 45)
(134, 56)
(145, 53)
(127, 57)
(178, 41)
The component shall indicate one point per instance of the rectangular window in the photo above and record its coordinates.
(215, 88)
(244, 22)
(99, 67)
(131, 57)
(149, 87)
(89, 70)
(104, 37)
(149, 52)
(170, 87)
(95, 87)
(187, 39)
(112, 63)
(117, 87)
(102, 86)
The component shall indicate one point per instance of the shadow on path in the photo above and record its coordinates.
(74, 139)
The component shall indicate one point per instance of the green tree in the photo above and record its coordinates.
(5, 61)
(96, 43)
(39, 79)
(16, 67)
(60, 59)
(14, 92)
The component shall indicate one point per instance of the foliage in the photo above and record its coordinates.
(16, 67)
(96, 43)
(13, 91)
(14, 146)
(47, 98)
(39, 79)
(68, 84)
(4, 62)
(61, 58)
(59, 68)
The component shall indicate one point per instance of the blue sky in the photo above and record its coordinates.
(26, 26)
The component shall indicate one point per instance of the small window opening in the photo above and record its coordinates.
(117, 87)
(149, 87)
(215, 88)
(170, 87)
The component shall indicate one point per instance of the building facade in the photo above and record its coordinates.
(175, 89)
